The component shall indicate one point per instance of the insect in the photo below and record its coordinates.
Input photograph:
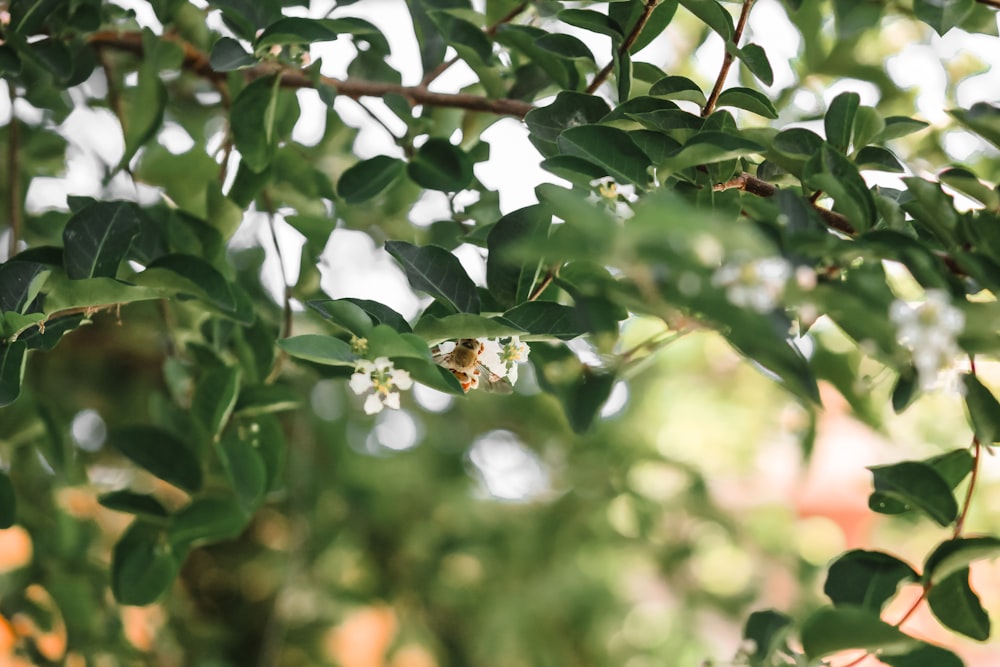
(463, 362)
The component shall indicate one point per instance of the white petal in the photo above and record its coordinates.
(373, 405)
(392, 400)
(382, 363)
(360, 383)
(402, 379)
(512, 374)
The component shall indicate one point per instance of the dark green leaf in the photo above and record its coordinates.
(133, 503)
(969, 184)
(900, 126)
(8, 502)
(957, 606)
(678, 88)
(463, 325)
(839, 120)
(161, 453)
(957, 554)
(767, 630)
(438, 165)
(19, 284)
(437, 272)
(367, 178)
(609, 148)
(386, 342)
(568, 110)
(215, 397)
(866, 579)
(262, 114)
(382, 314)
(12, 358)
(917, 485)
(142, 565)
(295, 30)
(713, 14)
(925, 655)
(349, 316)
(245, 468)
(565, 46)
(754, 57)
(983, 410)
(545, 318)
(470, 41)
(943, 15)
(748, 99)
(877, 158)
(855, 16)
(833, 173)
(981, 118)
(261, 399)
(657, 22)
(798, 142)
(581, 389)
(187, 274)
(831, 630)
(228, 55)
(206, 520)
(97, 238)
(868, 125)
(587, 19)
(511, 268)
(708, 148)
(325, 350)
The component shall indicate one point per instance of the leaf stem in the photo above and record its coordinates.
(727, 60)
(541, 287)
(640, 23)
(13, 175)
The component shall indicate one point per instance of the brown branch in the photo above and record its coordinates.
(543, 285)
(990, 3)
(640, 23)
(755, 186)
(196, 62)
(13, 175)
(727, 60)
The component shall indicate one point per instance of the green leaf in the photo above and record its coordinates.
(382, 314)
(609, 148)
(713, 14)
(900, 126)
(367, 178)
(97, 238)
(916, 485)
(228, 55)
(957, 554)
(142, 565)
(8, 502)
(161, 453)
(463, 325)
(968, 184)
(187, 274)
(767, 630)
(20, 283)
(749, 99)
(262, 114)
(581, 389)
(346, 314)
(545, 318)
(943, 15)
(708, 148)
(588, 19)
(981, 118)
(386, 342)
(866, 579)
(925, 655)
(466, 38)
(295, 30)
(261, 399)
(565, 46)
(868, 125)
(798, 142)
(206, 520)
(755, 59)
(831, 630)
(877, 158)
(319, 349)
(436, 271)
(512, 268)
(215, 397)
(245, 468)
(12, 358)
(438, 165)
(142, 111)
(957, 606)
(839, 120)
(678, 88)
(983, 410)
(657, 22)
(855, 16)
(130, 502)
(430, 375)
(833, 173)
(569, 109)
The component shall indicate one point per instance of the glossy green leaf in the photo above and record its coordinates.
(186, 274)
(437, 272)
(981, 118)
(657, 22)
(588, 19)
(916, 485)
(678, 88)
(319, 349)
(568, 110)
(8, 502)
(839, 120)
(957, 554)
(467, 38)
(878, 159)
(755, 59)
(580, 389)
(830, 630)
(215, 397)
(609, 148)
(925, 655)
(97, 238)
(749, 99)
(228, 55)
(957, 606)
(463, 325)
(295, 30)
(709, 147)
(206, 520)
(834, 174)
(245, 469)
(261, 399)
(565, 46)
(130, 502)
(900, 126)
(143, 566)
(545, 318)
(798, 142)
(983, 410)
(439, 165)
(512, 268)
(868, 125)
(767, 630)
(368, 178)
(713, 14)
(19, 284)
(161, 453)
(143, 108)
(262, 114)
(968, 184)
(12, 359)
(382, 314)
(866, 579)
(345, 314)
(943, 15)
(383, 341)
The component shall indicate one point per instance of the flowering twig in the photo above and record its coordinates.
(640, 23)
(13, 175)
(727, 60)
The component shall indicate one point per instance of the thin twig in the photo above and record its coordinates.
(286, 327)
(756, 186)
(13, 174)
(541, 287)
(397, 140)
(727, 60)
(990, 3)
(640, 23)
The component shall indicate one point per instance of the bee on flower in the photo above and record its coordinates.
(930, 331)
(381, 381)
(480, 363)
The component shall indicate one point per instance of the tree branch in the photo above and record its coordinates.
(640, 23)
(727, 60)
(13, 175)
(197, 62)
(990, 3)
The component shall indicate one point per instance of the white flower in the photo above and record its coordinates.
(381, 381)
(613, 197)
(758, 285)
(930, 331)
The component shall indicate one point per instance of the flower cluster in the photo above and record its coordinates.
(758, 285)
(381, 381)
(929, 330)
(502, 359)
